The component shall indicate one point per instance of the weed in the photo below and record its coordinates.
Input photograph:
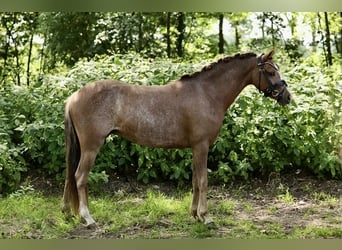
(23, 190)
(200, 230)
(248, 206)
(316, 232)
(226, 207)
(324, 199)
(287, 197)
(272, 209)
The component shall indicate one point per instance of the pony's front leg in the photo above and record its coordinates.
(200, 156)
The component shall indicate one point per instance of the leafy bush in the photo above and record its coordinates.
(11, 163)
(257, 134)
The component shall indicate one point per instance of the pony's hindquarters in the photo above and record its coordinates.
(85, 133)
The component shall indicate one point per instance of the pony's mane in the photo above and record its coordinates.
(225, 60)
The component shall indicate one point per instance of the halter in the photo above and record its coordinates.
(271, 89)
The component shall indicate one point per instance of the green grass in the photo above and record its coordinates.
(33, 216)
(313, 232)
(30, 214)
(286, 197)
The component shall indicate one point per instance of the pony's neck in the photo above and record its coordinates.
(227, 81)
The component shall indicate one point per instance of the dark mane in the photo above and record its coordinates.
(209, 67)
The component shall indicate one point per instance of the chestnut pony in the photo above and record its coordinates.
(186, 113)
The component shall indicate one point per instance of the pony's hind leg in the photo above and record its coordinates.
(195, 194)
(66, 208)
(86, 162)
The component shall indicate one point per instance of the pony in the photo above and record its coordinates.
(185, 113)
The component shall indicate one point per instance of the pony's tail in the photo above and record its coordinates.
(73, 154)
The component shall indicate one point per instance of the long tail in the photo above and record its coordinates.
(73, 154)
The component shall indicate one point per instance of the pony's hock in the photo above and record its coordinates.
(185, 113)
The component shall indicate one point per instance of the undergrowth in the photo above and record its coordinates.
(257, 136)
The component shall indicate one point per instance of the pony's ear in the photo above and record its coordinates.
(268, 56)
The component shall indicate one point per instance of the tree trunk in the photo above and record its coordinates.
(42, 57)
(221, 38)
(263, 27)
(168, 35)
(272, 32)
(313, 34)
(29, 61)
(237, 37)
(339, 41)
(327, 39)
(140, 32)
(16, 51)
(292, 20)
(17, 60)
(5, 56)
(180, 38)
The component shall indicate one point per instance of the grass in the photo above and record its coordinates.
(32, 216)
(286, 197)
(152, 214)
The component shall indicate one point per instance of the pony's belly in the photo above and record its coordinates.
(157, 138)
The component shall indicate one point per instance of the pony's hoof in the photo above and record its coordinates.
(193, 214)
(210, 223)
(66, 209)
(92, 226)
(208, 220)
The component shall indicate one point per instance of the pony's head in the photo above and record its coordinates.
(269, 80)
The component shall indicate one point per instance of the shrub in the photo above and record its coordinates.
(12, 164)
(257, 134)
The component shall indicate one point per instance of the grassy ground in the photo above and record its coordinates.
(255, 210)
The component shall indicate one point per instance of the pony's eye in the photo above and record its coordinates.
(271, 73)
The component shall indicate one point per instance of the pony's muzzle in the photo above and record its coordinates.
(285, 98)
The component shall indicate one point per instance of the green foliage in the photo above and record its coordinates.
(78, 38)
(11, 167)
(12, 163)
(257, 135)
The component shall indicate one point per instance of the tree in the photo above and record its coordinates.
(221, 38)
(122, 32)
(19, 30)
(32, 20)
(327, 39)
(292, 18)
(69, 36)
(311, 18)
(181, 33)
(168, 34)
(339, 46)
(238, 20)
(272, 23)
(10, 23)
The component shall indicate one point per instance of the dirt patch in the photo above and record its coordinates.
(290, 201)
